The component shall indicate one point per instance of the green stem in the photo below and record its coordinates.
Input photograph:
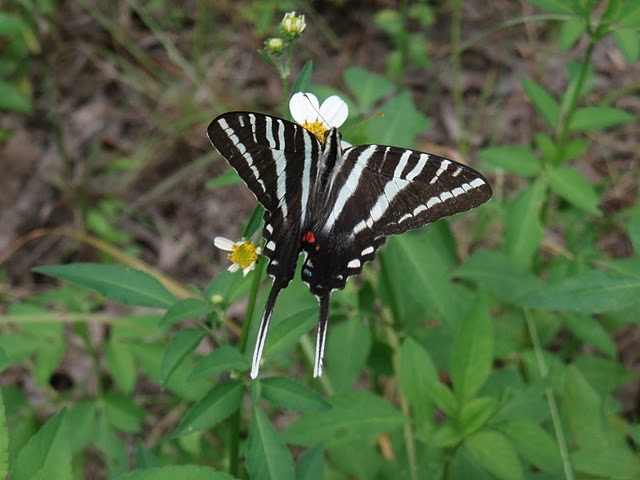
(551, 399)
(234, 430)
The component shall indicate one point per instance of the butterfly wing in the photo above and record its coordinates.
(377, 191)
(277, 160)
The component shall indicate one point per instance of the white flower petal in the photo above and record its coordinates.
(304, 107)
(223, 243)
(334, 111)
(234, 267)
(246, 271)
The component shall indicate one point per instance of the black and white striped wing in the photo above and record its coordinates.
(377, 191)
(277, 160)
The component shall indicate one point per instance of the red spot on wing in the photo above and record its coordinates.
(309, 237)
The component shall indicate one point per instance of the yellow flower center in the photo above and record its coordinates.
(317, 128)
(244, 254)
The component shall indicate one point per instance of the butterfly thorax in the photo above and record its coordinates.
(329, 156)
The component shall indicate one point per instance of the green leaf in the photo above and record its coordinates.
(630, 16)
(14, 99)
(496, 454)
(304, 78)
(628, 43)
(515, 159)
(286, 393)
(524, 227)
(611, 463)
(496, 272)
(366, 86)
(47, 454)
(229, 177)
(589, 330)
(596, 118)
(119, 283)
(401, 123)
(145, 458)
(181, 345)
(348, 347)
(4, 441)
(417, 375)
(310, 465)
(120, 363)
(174, 472)
(222, 359)
(555, 6)
(570, 32)
(472, 351)
(355, 415)
(572, 186)
(268, 458)
(534, 444)
(82, 415)
(187, 308)
(590, 292)
(123, 412)
(282, 336)
(221, 401)
(603, 374)
(474, 414)
(544, 103)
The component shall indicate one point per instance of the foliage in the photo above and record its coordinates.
(435, 367)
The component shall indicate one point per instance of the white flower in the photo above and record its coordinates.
(293, 24)
(244, 254)
(307, 111)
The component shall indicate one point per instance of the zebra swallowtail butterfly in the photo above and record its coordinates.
(336, 205)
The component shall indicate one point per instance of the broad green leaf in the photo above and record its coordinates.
(222, 359)
(187, 308)
(221, 401)
(472, 352)
(527, 403)
(496, 272)
(628, 43)
(47, 454)
(464, 467)
(113, 449)
(496, 454)
(572, 186)
(116, 282)
(286, 393)
(524, 227)
(14, 99)
(596, 118)
(182, 344)
(417, 375)
(4, 441)
(590, 330)
(282, 336)
(534, 444)
(145, 458)
(515, 159)
(310, 465)
(544, 103)
(82, 415)
(630, 16)
(583, 412)
(227, 287)
(611, 463)
(603, 374)
(355, 415)
(555, 6)
(474, 414)
(304, 78)
(120, 363)
(176, 472)
(414, 287)
(401, 123)
(573, 149)
(122, 412)
(366, 86)
(348, 347)
(268, 458)
(570, 32)
(590, 292)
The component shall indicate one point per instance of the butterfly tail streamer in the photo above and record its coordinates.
(264, 327)
(323, 323)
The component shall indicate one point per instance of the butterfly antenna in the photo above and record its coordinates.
(323, 323)
(264, 327)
